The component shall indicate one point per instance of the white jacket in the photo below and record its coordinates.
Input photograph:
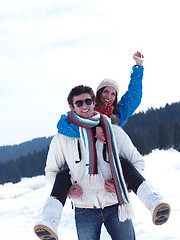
(65, 149)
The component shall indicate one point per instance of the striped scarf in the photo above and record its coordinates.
(85, 128)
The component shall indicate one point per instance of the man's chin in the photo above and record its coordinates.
(85, 115)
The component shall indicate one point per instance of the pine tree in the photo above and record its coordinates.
(149, 138)
(141, 143)
(164, 137)
(176, 135)
(9, 172)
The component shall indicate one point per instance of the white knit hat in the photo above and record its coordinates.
(108, 82)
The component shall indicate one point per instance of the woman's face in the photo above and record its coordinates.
(108, 95)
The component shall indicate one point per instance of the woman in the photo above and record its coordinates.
(119, 112)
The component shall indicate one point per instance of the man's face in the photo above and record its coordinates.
(83, 105)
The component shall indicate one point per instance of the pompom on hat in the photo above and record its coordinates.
(108, 82)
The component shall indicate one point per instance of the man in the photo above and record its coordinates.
(98, 198)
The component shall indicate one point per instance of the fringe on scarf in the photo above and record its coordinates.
(125, 212)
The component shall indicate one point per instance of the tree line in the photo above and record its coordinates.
(13, 152)
(155, 128)
(25, 166)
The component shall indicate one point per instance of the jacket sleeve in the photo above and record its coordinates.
(127, 150)
(55, 160)
(132, 98)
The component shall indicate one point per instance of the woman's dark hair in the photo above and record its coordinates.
(80, 90)
(99, 103)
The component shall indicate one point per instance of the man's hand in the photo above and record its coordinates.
(139, 58)
(100, 134)
(75, 192)
(109, 186)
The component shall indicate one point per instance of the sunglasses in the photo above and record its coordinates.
(88, 101)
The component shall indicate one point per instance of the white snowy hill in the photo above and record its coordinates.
(21, 203)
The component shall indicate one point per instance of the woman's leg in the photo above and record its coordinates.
(61, 186)
(52, 210)
(158, 207)
(131, 175)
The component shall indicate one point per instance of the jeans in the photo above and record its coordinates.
(89, 222)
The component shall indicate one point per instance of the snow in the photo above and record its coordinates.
(21, 204)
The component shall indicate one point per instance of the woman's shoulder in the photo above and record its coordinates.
(58, 137)
(114, 119)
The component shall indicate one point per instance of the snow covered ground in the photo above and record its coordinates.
(21, 204)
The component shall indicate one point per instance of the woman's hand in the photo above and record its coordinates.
(109, 186)
(75, 192)
(139, 58)
(100, 134)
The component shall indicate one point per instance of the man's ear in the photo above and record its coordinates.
(71, 107)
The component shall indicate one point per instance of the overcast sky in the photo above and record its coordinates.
(49, 46)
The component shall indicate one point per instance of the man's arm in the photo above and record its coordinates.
(127, 150)
(55, 159)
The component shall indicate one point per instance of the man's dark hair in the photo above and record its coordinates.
(80, 90)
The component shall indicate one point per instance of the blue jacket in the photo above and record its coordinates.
(127, 105)
(132, 98)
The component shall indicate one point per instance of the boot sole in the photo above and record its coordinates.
(45, 233)
(161, 213)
